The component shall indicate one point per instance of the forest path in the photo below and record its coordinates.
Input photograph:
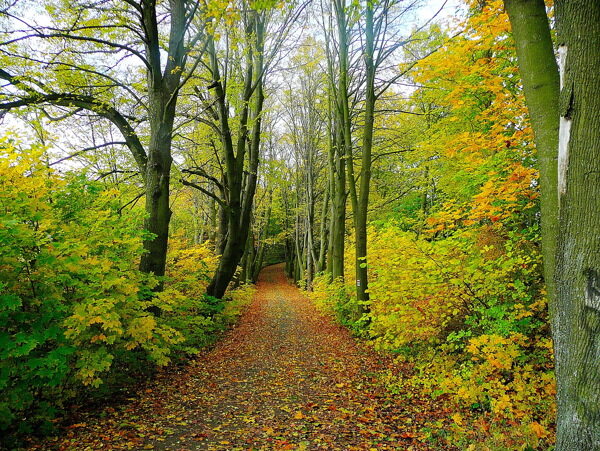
(284, 378)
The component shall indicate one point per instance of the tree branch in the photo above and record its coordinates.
(205, 191)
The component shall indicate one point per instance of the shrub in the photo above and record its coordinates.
(70, 293)
(467, 310)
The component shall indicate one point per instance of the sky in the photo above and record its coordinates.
(430, 7)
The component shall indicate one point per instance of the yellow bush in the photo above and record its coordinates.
(238, 299)
(468, 312)
(190, 266)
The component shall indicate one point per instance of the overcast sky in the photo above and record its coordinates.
(430, 7)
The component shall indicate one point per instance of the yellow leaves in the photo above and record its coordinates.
(141, 330)
(448, 217)
(189, 266)
(458, 419)
(515, 393)
(299, 416)
(502, 403)
(539, 430)
(496, 351)
(502, 195)
(99, 337)
(522, 312)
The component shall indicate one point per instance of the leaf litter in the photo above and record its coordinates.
(285, 377)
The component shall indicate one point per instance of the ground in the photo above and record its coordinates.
(285, 377)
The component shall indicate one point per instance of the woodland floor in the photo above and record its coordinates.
(284, 378)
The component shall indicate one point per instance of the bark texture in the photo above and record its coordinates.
(242, 159)
(576, 323)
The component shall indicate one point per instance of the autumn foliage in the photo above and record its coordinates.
(76, 312)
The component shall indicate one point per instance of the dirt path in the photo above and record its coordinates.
(284, 378)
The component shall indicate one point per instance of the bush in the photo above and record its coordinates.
(199, 317)
(467, 310)
(70, 296)
(334, 298)
(75, 312)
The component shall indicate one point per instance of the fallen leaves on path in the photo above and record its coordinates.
(284, 378)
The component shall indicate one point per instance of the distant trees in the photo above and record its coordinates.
(569, 165)
(132, 63)
(305, 116)
(362, 42)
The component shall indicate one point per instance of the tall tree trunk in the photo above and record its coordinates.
(539, 74)
(240, 191)
(163, 89)
(324, 231)
(333, 190)
(338, 233)
(309, 256)
(362, 204)
(222, 235)
(213, 219)
(310, 219)
(576, 324)
(574, 181)
(157, 187)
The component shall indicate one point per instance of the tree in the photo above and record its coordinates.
(575, 315)
(305, 124)
(66, 70)
(539, 75)
(377, 41)
(240, 195)
(334, 28)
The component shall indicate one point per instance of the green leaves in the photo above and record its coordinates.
(69, 287)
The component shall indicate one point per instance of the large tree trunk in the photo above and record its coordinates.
(575, 184)
(576, 324)
(163, 89)
(157, 185)
(539, 74)
(310, 220)
(240, 193)
(332, 189)
(338, 232)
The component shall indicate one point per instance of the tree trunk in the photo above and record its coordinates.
(324, 232)
(332, 189)
(240, 192)
(362, 204)
(157, 193)
(539, 74)
(576, 324)
(338, 233)
(163, 90)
